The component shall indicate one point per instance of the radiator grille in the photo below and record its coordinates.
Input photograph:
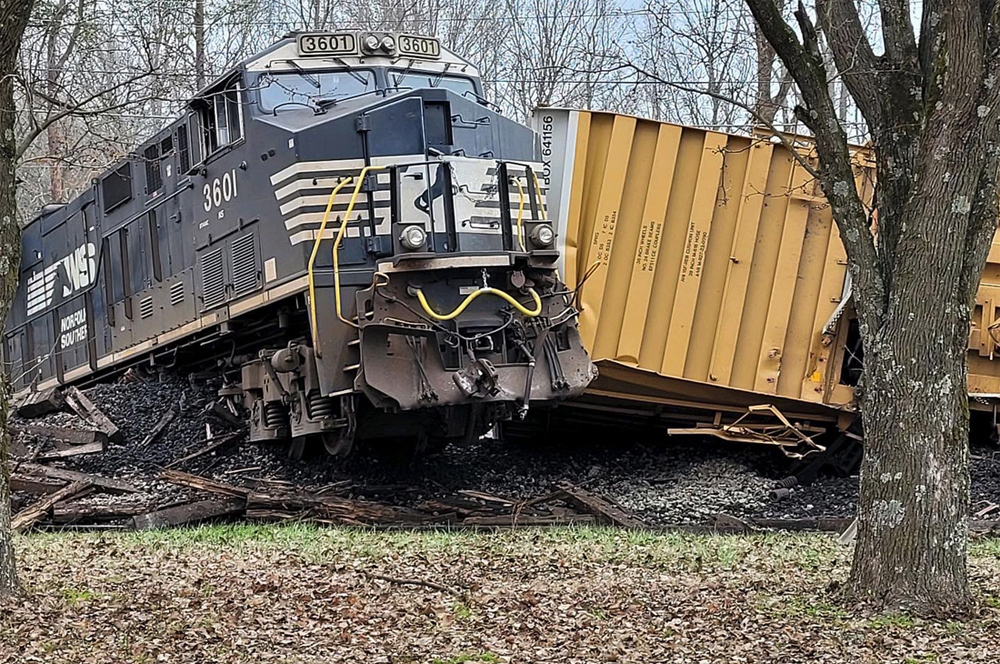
(153, 178)
(213, 279)
(177, 293)
(146, 307)
(245, 270)
(182, 148)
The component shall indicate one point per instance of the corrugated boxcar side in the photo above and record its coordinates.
(717, 260)
(984, 341)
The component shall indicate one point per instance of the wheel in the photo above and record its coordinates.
(338, 443)
(297, 449)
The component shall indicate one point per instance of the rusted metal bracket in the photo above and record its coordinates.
(791, 438)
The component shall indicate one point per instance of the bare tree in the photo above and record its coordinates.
(14, 16)
(932, 106)
(768, 101)
(199, 43)
(701, 45)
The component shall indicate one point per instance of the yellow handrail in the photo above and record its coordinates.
(312, 262)
(530, 313)
(520, 213)
(340, 237)
(538, 193)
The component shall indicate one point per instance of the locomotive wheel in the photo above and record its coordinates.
(338, 443)
(297, 449)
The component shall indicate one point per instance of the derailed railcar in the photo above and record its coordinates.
(342, 226)
(713, 277)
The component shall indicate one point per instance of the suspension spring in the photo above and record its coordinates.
(274, 415)
(321, 407)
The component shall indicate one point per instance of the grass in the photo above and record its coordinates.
(598, 543)
(487, 657)
(593, 593)
(462, 611)
(76, 595)
(899, 620)
(797, 606)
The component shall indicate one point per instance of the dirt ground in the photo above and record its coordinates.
(300, 594)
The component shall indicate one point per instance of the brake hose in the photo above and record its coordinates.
(530, 313)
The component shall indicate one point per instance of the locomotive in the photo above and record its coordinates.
(343, 227)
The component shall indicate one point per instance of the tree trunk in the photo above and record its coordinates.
(8, 569)
(932, 104)
(13, 19)
(199, 44)
(914, 502)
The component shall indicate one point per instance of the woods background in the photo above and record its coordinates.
(97, 76)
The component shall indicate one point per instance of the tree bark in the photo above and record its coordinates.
(14, 16)
(199, 44)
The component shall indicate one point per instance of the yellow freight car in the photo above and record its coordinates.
(713, 277)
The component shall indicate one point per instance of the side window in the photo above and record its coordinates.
(222, 117)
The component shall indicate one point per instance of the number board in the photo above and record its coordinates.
(324, 43)
(419, 47)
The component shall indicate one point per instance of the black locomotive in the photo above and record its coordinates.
(341, 225)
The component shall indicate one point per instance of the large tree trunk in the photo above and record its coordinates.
(913, 533)
(13, 19)
(911, 546)
(932, 106)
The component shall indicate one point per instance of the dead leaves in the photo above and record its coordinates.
(568, 596)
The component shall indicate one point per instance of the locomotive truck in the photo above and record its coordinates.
(343, 227)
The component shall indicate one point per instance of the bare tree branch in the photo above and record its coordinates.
(805, 64)
(77, 109)
(809, 168)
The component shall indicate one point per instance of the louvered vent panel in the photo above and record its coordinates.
(177, 293)
(145, 307)
(153, 178)
(182, 148)
(213, 279)
(245, 271)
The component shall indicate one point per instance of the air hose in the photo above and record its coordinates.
(530, 313)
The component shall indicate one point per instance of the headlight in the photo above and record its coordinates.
(413, 237)
(388, 44)
(371, 43)
(543, 235)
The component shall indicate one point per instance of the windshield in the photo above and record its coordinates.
(307, 87)
(416, 79)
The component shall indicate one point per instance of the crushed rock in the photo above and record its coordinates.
(661, 481)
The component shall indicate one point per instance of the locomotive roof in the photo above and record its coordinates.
(279, 55)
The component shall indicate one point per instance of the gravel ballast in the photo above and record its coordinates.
(660, 481)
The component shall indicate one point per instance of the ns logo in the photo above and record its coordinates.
(79, 270)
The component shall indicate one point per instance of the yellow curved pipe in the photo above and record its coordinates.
(530, 313)
(312, 261)
(340, 237)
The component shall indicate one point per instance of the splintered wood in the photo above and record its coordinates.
(160, 427)
(57, 490)
(34, 513)
(189, 513)
(605, 511)
(466, 508)
(86, 409)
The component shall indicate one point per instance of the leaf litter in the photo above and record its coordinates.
(294, 594)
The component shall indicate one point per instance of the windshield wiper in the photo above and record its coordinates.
(400, 75)
(311, 79)
(357, 77)
(437, 81)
